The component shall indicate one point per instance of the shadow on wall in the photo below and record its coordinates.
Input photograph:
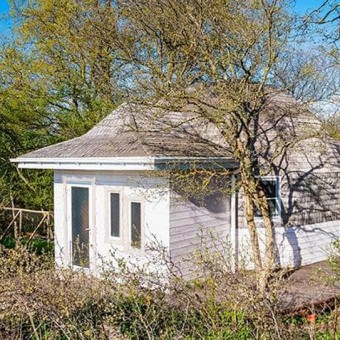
(309, 196)
(285, 140)
(309, 172)
(214, 202)
(290, 235)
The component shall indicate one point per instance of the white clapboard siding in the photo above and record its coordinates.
(195, 228)
(297, 246)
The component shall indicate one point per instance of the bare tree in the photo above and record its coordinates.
(322, 23)
(216, 60)
(327, 12)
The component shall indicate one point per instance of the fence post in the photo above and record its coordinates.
(15, 224)
(20, 224)
(48, 227)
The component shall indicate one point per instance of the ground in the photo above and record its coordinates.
(311, 287)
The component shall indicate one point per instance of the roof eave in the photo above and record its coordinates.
(187, 163)
(125, 163)
(107, 163)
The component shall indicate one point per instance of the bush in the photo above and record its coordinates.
(8, 242)
(37, 301)
(38, 246)
(334, 259)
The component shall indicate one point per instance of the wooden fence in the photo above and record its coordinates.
(25, 223)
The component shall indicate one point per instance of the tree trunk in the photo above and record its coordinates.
(254, 193)
(269, 255)
(269, 233)
(254, 239)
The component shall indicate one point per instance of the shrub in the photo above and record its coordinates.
(8, 242)
(37, 301)
(39, 246)
(334, 259)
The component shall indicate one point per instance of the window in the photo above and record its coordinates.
(136, 224)
(115, 214)
(270, 187)
(124, 219)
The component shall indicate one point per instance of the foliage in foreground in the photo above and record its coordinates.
(38, 246)
(39, 302)
(334, 259)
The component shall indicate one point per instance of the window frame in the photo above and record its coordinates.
(120, 237)
(109, 238)
(124, 239)
(277, 215)
(129, 212)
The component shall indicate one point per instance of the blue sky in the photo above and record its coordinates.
(302, 6)
(4, 6)
(5, 23)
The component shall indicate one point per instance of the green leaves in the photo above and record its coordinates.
(57, 79)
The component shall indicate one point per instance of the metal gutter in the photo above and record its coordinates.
(100, 163)
(126, 163)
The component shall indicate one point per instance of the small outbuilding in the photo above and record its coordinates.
(110, 192)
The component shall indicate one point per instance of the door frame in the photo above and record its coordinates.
(92, 253)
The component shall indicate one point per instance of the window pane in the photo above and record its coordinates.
(269, 188)
(115, 215)
(272, 205)
(136, 224)
(80, 226)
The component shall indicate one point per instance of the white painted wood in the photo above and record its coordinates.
(195, 229)
(297, 245)
(60, 239)
(109, 163)
(175, 223)
(152, 192)
(233, 223)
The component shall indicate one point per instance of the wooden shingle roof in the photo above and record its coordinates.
(117, 136)
(137, 131)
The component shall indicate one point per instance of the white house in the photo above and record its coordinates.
(108, 193)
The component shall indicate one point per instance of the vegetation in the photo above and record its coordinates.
(56, 83)
(334, 260)
(72, 61)
(36, 301)
(38, 246)
(332, 125)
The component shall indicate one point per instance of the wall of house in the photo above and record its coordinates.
(199, 231)
(133, 186)
(309, 205)
(309, 222)
(310, 198)
(296, 245)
